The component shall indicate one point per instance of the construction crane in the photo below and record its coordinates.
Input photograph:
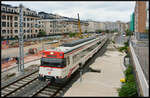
(79, 26)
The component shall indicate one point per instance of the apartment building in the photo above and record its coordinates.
(91, 26)
(94, 26)
(112, 26)
(132, 22)
(56, 24)
(147, 15)
(140, 16)
(102, 26)
(10, 22)
(127, 26)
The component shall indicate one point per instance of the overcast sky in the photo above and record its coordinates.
(97, 10)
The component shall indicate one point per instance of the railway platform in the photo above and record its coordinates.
(104, 83)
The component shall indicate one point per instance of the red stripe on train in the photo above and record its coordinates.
(53, 67)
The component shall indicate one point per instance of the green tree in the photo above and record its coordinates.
(128, 33)
(41, 33)
(107, 31)
(86, 31)
(72, 34)
(147, 30)
(99, 31)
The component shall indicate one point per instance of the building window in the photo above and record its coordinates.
(36, 25)
(11, 31)
(28, 24)
(23, 12)
(24, 19)
(3, 31)
(4, 17)
(7, 17)
(28, 31)
(7, 24)
(3, 24)
(8, 31)
(24, 24)
(10, 17)
(31, 31)
(4, 9)
(24, 31)
(10, 24)
(16, 18)
(8, 10)
(27, 19)
(16, 24)
(36, 31)
(16, 31)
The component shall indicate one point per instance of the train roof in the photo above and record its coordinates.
(77, 42)
(72, 45)
(68, 47)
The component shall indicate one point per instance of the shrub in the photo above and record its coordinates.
(130, 78)
(121, 49)
(126, 44)
(128, 90)
(72, 34)
(129, 71)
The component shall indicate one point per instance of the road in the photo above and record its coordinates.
(121, 39)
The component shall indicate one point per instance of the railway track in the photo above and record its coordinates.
(30, 86)
(11, 88)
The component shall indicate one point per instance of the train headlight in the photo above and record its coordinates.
(51, 53)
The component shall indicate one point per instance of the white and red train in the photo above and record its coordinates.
(60, 63)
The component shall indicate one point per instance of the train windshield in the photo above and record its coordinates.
(53, 62)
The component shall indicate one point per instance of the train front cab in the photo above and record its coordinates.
(53, 67)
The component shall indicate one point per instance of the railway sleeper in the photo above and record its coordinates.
(29, 78)
(18, 84)
(50, 90)
(21, 82)
(9, 89)
(4, 92)
(14, 86)
(46, 92)
(25, 80)
(43, 95)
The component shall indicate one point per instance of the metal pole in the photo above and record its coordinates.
(21, 43)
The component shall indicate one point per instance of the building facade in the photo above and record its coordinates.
(140, 16)
(147, 15)
(55, 24)
(132, 23)
(10, 22)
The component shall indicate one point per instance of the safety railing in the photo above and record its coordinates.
(142, 82)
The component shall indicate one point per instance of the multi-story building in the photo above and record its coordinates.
(54, 24)
(10, 22)
(91, 26)
(132, 22)
(111, 26)
(140, 16)
(102, 26)
(147, 14)
(127, 26)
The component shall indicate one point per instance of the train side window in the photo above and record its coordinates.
(68, 60)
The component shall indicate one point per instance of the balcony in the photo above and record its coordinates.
(10, 12)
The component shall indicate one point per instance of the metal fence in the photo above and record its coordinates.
(141, 64)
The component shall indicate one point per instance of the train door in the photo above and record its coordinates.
(67, 65)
